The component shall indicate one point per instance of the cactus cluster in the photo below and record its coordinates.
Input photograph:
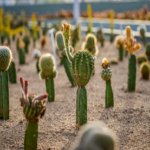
(5, 60)
(106, 76)
(82, 67)
(48, 73)
(90, 44)
(148, 51)
(145, 70)
(131, 47)
(100, 37)
(75, 36)
(34, 108)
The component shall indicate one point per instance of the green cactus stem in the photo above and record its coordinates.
(48, 72)
(12, 72)
(132, 73)
(33, 108)
(37, 66)
(34, 42)
(106, 76)
(26, 40)
(148, 51)
(21, 56)
(111, 37)
(145, 70)
(75, 36)
(82, 67)
(121, 52)
(5, 60)
(100, 37)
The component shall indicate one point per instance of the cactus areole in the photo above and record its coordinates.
(82, 67)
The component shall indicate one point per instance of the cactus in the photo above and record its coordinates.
(34, 108)
(113, 61)
(106, 76)
(26, 40)
(5, 60)
(43, 41)
(12, 72)
(145, 70)
(141, 58)
(36, 55)
(142, 31)
(100, 37)
(96, 136)
(21, 51)
(75, 36)
(62, 55)
(148, 51)
(48, 72)
(131, 47)
(82, 67)
(90, 44)
(111, 25)
(119, 43)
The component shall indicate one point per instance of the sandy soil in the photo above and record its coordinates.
(129, 119)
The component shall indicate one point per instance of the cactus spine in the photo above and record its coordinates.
(12, 72)
(5, 60)
(26, 40)
(48, 72)
(148, 51)
(131, 47)
(106, 76)
(62, 55)
(33, 108)
(145, 70)
(82, 67)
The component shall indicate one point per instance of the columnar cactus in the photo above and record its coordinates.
(43, 41)
(48, 72)
(106, 76)
(96, 136)
(26, 41)
(148, 51)
(75, 36)
(145, 70)
(12, 72)
(82, 67)
(5, 60)
(36, 55)
(100, 37)
(34, 108)
(131, 47)
(111, 25)
(63, 56)
(90, 44)
(119, 43)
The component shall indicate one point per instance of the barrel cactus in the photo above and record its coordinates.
(148, 51)
(48, 73)
(100, 37)
(96, 136)
(106, 76)
(26, 41)
(34, 108)
(63, 56)
(119, 43)
(141, 58)
(131, 47)
(5, 60)
(145, 70)
(82, 67)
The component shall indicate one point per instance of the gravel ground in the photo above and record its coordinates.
(129, 118)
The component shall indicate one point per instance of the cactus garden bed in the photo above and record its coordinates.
(129, 119)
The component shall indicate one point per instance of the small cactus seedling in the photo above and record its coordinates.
(36, 55)
(90, 44)
(100, 37)
(96, 136)
(43, 41)
(21, 51)
(131, 47)
(5, 60)
(48, 72)
(145, 70)
(75, 36)
(141, 58)
(63, 56)
(26, 41)
(34, 108)
(119, 43)
(106, 76)
(148, 51)
(82, 67)
(12, 72)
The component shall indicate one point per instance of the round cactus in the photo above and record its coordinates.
(141, 58)
(145, 70)
(148, 51)
(90, 41)
(5, 58)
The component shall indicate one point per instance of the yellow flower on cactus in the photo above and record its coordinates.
(130, 43)
(104, 61)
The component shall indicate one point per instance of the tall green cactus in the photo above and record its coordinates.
(148, 51)
(21, 52)
(82, 67)
(48, 72)
(12, 72)
(106, 76)
(26, 40)
(63, 57)
(145, 70)
(5, 60)
(33, 108)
